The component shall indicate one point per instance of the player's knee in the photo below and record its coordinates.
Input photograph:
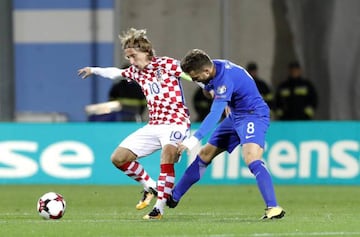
(203, 153)
(116, 160)
(252, 152)
(122, 156)
(208, 152)
(250, 159)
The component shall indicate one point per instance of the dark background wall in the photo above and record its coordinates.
(7, 94)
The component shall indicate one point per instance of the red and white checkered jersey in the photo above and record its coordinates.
(160, 82)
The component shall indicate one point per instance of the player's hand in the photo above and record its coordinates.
(188, 143)
(84, 72)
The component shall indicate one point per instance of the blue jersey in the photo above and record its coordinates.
(234, 87)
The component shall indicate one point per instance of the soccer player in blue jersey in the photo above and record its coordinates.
(246, 124)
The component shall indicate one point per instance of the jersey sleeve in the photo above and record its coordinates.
(128, 73)
(107, 72)
(210, 121)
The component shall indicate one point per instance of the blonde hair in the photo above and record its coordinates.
(137, 39)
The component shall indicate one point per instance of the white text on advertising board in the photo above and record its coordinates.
(287, 160)
(64, 160)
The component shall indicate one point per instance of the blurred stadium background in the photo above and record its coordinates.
(43, 43)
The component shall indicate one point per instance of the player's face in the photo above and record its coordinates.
(200, 75)
(295, 72)
(137, 58)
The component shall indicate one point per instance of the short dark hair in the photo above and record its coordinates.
(195, 60)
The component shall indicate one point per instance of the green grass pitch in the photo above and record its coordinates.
(218, 211)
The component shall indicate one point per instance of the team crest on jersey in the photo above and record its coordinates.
(221, 90)
(159, 74)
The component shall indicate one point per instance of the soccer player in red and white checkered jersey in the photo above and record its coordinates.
(159, 78)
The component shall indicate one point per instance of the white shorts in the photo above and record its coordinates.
(150, 138)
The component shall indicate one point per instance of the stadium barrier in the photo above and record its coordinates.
(79, 153)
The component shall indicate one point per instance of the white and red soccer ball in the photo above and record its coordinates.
(51, 205)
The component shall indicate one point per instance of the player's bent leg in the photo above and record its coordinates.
(252, 153)
(122, 156)
(125, 160)
(193, 173)
(166, 181)
(165, 184)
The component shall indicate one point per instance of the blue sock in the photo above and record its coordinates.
(264, 182)
(192, 174)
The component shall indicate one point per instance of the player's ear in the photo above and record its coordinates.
(207, 70)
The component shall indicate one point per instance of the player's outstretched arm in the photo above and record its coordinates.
(206, 126)
(107, 72)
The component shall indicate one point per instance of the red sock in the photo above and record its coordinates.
(166, 180)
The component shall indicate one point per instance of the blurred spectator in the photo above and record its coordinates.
(296, 98)
(131, 98)
(201, 104)
(262, 86)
